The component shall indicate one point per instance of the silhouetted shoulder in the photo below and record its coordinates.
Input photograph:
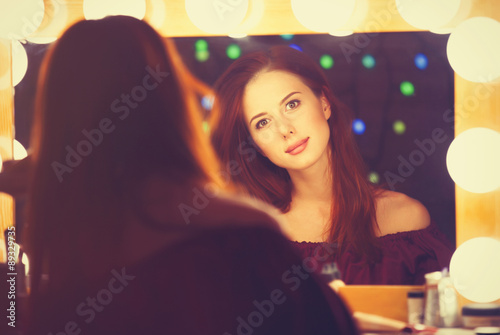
(397, 212)
(242, 210)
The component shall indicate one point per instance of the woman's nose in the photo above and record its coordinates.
(286, 128)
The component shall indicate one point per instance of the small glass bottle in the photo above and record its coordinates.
(431, 315)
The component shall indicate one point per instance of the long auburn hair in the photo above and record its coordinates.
(353, 208)
(76, 214)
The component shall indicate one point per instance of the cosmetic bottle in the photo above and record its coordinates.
(448, 301)
(415, 307)
(431, 314)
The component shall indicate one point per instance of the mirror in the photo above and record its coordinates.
(399, 86)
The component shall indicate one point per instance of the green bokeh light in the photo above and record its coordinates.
(287, 37)
(374, 177)
(202, 56)
(407, 88)
(233, 51)
(206, 127)
(326, 62)
(201, 45)
(368, 61)
(399, 127)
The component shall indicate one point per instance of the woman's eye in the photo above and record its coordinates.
(261, 123)
(293, 104)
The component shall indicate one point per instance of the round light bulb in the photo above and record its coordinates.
(19, 62)
(323, 15)
(54, 24)
(158, 13)
(216, 17)
(473, 50)
(19, 151)
(7, 145)
(475, 270)
(97, 9)
(428, 14)
(19, 19)
(473, 160)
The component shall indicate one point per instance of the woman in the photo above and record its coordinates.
(126, 231)
(304, 161)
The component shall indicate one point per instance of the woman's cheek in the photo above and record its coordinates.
(265, 137)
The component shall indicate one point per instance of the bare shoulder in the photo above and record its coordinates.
(397, 212)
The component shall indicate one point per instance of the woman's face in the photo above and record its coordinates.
(287, 121)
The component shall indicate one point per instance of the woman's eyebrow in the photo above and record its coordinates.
(288, 96)
(257, 116)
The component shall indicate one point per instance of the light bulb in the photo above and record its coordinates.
(323, 15)
(428, 14)
(473, 50)
(217, 17)
(473, 160)
(97, 9)
(475, 269)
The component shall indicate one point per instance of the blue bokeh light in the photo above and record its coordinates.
(358, 126)
(207, 102)
(421, 61)
(295, 46)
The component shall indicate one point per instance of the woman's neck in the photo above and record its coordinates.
(313, 184)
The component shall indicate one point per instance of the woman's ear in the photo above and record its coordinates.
(325, 105)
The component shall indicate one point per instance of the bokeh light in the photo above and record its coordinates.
(368, 61)
(19, 62)
(19, 151)
(11, 149)
(233, 51)
(399, 127)
(237, 35)
(341, 33)
(206, 127)
(216, 17)
(473, 160)
(323, 16)
(473, 50)
(326, 62)
(358, 126)
(201, 45)
(54, 25)
(97, 9)
(475, 269)
(421, 61)
(374, 177)
(202, 56)
(157, 13)
(295, 46)
(20, 19)
(428, 14)
(207, 102)
(407, 88)
(287, 37)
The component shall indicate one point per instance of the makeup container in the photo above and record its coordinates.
(448, 301)
(481, 315)
(431, 313)
(487, 331)
(416, 307)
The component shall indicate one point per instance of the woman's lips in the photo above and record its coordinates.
(298, 147)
